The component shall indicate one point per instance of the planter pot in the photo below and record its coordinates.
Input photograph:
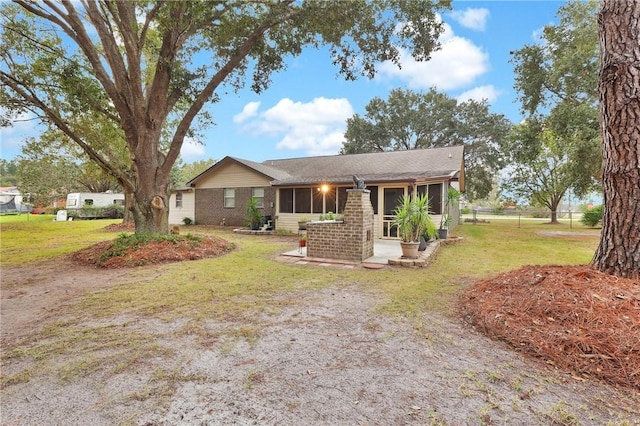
(302, 226)
(255, 226)
(303, 243)
(443, 234)
(410, 250)
(423, 244)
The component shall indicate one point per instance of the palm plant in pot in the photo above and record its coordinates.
(413, 220)
(453, 195)
(254, 216)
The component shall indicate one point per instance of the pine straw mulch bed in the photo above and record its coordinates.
(572, 317)
(152, 252)
(120, 227)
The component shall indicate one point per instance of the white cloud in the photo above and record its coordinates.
(457, 64)
(192, 150)
(12, 138)
(249, 110)
(316, 127)
(490, 93)
(475, 19)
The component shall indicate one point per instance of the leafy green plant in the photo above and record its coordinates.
(592, 217)
(453, 195)
(187, 221)
(126, 242)
(254, 216)
(91, 212)
(413, 219)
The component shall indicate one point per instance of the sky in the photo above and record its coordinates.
(304, 111)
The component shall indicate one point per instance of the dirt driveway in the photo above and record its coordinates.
(325, 357)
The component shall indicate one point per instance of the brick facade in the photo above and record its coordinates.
(351, 239)
(209, 208)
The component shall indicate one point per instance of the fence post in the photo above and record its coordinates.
(570, 220)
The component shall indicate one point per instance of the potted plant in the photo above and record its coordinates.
(302, 223)
(254, 216)
(427, 236)
(453, 195)
(303, 240)
(413, 220)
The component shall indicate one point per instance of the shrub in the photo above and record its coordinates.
(541, 214)
(187, 221)
(91, 212)
(126, 242)
(592, 217)
(497, 209)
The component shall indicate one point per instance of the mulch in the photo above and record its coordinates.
(572, 317)
(120, 227)
(153, 252)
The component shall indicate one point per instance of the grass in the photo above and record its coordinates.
(29, 238)
(560, 414)
(487, 249)
(241, 289)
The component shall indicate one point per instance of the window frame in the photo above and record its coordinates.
(178, 200)
(431, 189)
(231, 197)
(260, 199)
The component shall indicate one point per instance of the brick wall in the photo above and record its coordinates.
(351, 239)
(209, 208)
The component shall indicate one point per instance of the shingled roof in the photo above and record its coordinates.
(264, 169)
(393, 166)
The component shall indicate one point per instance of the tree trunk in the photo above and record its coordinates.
(128, 207)
(619, 29)
(151, 186)
(151, 211)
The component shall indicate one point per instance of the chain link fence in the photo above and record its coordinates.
(520, 216)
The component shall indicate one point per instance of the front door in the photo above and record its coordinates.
(392, 197)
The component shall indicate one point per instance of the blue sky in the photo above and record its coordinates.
(305, 109)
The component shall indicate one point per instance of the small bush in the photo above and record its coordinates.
(540, 214)
(592, 217)
(126, 242)
(497, 210)
(91, 212)
(187, 221)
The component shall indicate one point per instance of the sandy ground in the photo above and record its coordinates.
(325, 357)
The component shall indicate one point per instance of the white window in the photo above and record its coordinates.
(178, 200)
(229, 197)
(258, 194)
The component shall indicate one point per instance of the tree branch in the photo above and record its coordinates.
(208, 91)
(32, 98)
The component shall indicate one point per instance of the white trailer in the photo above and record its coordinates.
(92, 204)
(11, 201)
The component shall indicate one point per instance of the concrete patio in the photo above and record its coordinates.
(385, 252)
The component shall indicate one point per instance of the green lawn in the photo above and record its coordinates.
(251, 271)
(236, 287)
(26, 238)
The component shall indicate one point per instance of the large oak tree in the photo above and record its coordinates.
(619, 30)
(556, 82)
(543, 174)
(151, 67)
(418, 120)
